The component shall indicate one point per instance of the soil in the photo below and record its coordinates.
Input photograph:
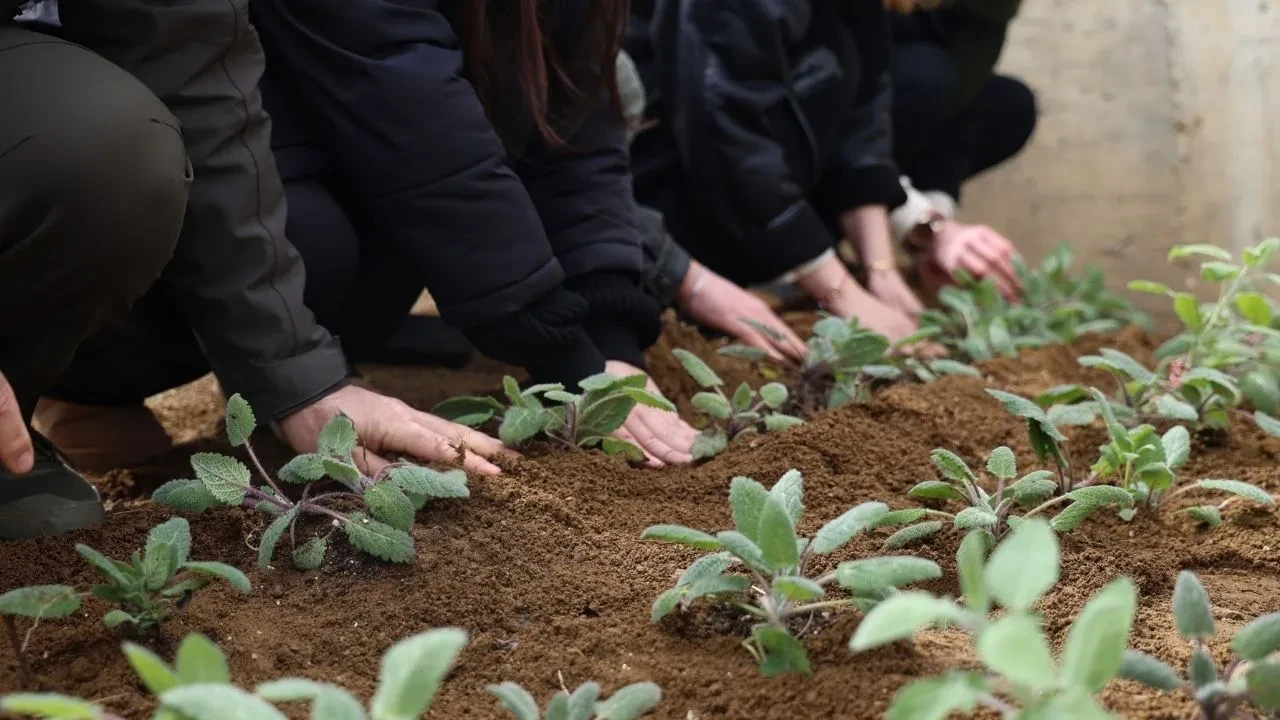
(543, 566)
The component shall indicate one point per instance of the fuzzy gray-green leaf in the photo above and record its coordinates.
(185, 496)
(937, 698)
(519, 424)
(469, 411)
(976, 518)
(1095, 645)
(224, 477)
(783, 653)
(516, 700)
(1258, 639)
(774, 395)
(232, 575)
(303, 469)
(217, 701)
(835, 534)
(1149, 671)
(1002, 463)
(697, 369)
(311, 554)
(1267, 423)
(912, 534)
(934, 490)
(271, 537)
(1237, 487)
(970, 559)
(789, 492)
(240, 420)
(681, 535)
(1172, 408)
(713, 404)
(776, 536)
(797, 589)
(379, 540)
(338, 438)
(951, 466)
(742, 548)
(388, 503)
(1192, 610)
(51, 706)
(412, 671)
(874, 577)
(1208, 514)
(40, 601)
(777, 422)
(746, 499)
(900, 616)
(709, 444)
(630, 702)
(1024, 566)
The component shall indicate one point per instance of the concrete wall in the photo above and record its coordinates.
(1160, 124)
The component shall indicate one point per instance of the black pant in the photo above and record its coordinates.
(939, 145)
(93, 189)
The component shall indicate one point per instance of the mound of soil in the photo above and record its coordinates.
(544, 568)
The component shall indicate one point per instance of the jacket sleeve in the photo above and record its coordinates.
(725, 75)
(236, 278)
(864, 172)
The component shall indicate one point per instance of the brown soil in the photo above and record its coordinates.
(544, 568)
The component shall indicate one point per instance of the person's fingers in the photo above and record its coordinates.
(657, 436)
(790, 343)
(484, 445)
(415, 437)
(370, 463)
(998, 253)
(650, 461)
(16, 452)
(756, 339)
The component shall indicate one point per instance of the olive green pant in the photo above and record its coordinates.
(93, 190)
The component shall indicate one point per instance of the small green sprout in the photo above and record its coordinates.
(747, 412)
(1047, 441)
(1018, 663)
(777, 585)
(385, 504)
(52, 706)
(584, 703)
(586, 420)
(1251, 677)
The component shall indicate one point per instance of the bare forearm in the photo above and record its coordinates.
(867, 227)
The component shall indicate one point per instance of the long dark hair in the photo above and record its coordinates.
(559, 90)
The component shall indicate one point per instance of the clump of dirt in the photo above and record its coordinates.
(543, 566)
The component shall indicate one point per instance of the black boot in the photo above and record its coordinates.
(52, 499)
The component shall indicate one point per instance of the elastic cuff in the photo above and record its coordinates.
(282, 388)
(867, 185)
(567, 365)
(907, 215)
(795, 237)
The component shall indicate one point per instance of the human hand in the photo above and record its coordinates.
(839, 294)
(718, 303)
(389, 428)
(890, 288)
(16, 453)
(978, 250)
(662, 435)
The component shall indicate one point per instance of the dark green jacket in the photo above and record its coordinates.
(973, 30)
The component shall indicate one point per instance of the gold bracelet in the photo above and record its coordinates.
(880, 266)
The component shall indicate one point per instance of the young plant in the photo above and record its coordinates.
(384, 505)
(1252, 677)
(1145, 465)
(1047, 441)
(149, 588)
(584, 703)
(586, 419)
(747, 412)
(1020, 679)
(778, 584)
(992, 511)
(52, 706)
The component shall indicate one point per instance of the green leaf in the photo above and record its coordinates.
(469, 411)
(1071, 517)
(1206, 250)
(50, 706)
(116, 618)
(1127, 365)
(158, 566)
(237, 579)
(388, 503)
(604, 416)
(1001, 340)
(874, 577)
(629, 703)
(975, 518)
(616, 447)
(1192, 610)
(516, 700)
(1102, 495)
(1262, 252)
(743, 352)
(789, 492)
(1208, 514)
(345, 473)
(1015, 648)
(1258, 639)
(776, 536)
(1261, 388)
(338, 438)
(415, 480)
(1201, 669)
(225, 478)
(937, 698)
(200, 661)
(697, 369)
(1147, 286)
(311, 555)
(185, 496)
(1095, 645)
(303, 469)
(713, 404)
(329, 702)
(1024, 408)
(1172, 408)
(582, 703)
(952, 367)
(799, 589)
(1075, 415)
(742, 398)
(1033, 489)
(1236, 487)
(1176, 444)
(412, 671)
(599, 382)
(742, 548)
(783, 653)
(155, 673)
(240, 420)
(899, 616)
(176, 533)
(519, 424)
(841, 530)
(41, 601)
(709, 444)
(1148, 671)
(747, 498)
(951, 466)
(1268, 424)
(1254, 307)
(207, 701)
(648, 399)
(681, 535)
(1024, 566)
(912, 534)
(1213, 271)
(969, 562)
(901, 517)
(271, 537)
(718, 585)
(1002, 463)
(777, 422)
(104, 565)
(1187, 309)
(935, 490)
(774, 395)
(379, 540)
(1264, 686)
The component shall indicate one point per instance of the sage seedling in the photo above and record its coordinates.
(584, 703)
(747, 412)
(1251, 677)
(376, 513)
(1018, 663)
(777, 584)
(585, 419)
(52, 706)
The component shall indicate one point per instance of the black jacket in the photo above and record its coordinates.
(776, 112)
(534, 253)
